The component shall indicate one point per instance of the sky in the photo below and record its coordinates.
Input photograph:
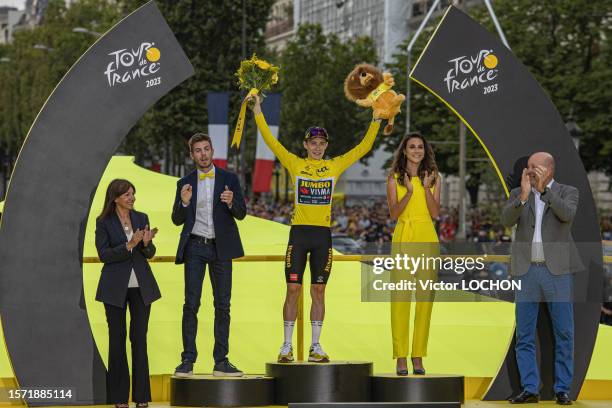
(13, 3)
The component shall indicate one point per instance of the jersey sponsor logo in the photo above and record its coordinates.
(288, 256)
(322, 171)
(314, 192)
(330, 257)
(305, 173)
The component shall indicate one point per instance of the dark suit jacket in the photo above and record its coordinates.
(560, 252)
(227, 238)
(118, 261)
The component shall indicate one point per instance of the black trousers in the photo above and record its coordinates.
(118, 377)
(197, 256)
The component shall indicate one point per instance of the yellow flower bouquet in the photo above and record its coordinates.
(255, 75)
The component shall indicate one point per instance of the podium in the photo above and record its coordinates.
(206, 390)
(418, 388)
(336, 381)
(341, 384)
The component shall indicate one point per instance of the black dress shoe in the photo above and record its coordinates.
(418, 371)
(563, 398)
(525, 398)
(402, 373)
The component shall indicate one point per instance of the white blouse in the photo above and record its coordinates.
(133, 282)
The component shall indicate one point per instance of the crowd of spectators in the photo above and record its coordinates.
(371, 227)
(371, 223)
(606, 227)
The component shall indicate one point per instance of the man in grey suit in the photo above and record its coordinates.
(543, 260)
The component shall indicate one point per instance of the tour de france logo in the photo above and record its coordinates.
(129, 64)
(472, 71)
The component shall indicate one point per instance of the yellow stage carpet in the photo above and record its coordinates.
(468, 338)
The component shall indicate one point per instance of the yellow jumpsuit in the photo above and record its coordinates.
(414, 226)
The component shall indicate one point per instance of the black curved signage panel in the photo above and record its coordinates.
(104, 94)
(494, 94)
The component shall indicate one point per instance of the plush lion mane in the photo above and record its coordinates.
(353, 88)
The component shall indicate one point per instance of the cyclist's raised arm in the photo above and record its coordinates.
(284, 156)
(345, 160)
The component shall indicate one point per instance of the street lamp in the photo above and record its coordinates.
(573, 129)
(84, 30)
(43, 48)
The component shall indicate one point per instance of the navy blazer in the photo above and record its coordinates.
(227, 238)
(118, 261)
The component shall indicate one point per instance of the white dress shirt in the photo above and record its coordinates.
(537, 249)
(203, 226)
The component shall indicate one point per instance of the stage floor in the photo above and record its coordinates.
(468, 404)
(577, 404)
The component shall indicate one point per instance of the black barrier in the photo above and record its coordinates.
(104, 94)
(493, 93)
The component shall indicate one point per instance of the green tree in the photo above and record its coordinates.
(36, 61)
(313, 69)
(565, 45)
(210, 33)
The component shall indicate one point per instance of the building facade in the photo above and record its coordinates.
(280, 26)
(385, 21)
(9, 19)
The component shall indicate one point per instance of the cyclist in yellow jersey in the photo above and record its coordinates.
(314, 180)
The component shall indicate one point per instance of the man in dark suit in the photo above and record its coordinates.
(207, 202)
(544, 257)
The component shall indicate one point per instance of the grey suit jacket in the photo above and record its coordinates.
(560, 252)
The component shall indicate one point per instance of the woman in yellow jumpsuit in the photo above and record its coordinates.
(413, 195)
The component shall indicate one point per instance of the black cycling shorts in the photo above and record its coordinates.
(304, 240)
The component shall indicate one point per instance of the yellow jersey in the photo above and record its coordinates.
(314, 180)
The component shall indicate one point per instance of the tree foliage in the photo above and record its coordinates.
(35, 62)
(210, 33)
(313, 69)
(565, 44)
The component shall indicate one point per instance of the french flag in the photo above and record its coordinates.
(218, 128)
(264, 158)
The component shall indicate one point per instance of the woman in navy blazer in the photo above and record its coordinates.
(124, 243)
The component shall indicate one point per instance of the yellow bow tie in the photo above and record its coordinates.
(207, 175)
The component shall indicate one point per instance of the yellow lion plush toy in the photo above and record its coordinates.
(367, 86)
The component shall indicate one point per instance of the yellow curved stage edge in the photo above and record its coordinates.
(457, 330)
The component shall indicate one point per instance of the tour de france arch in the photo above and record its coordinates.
(496, 97)
(72, 139)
